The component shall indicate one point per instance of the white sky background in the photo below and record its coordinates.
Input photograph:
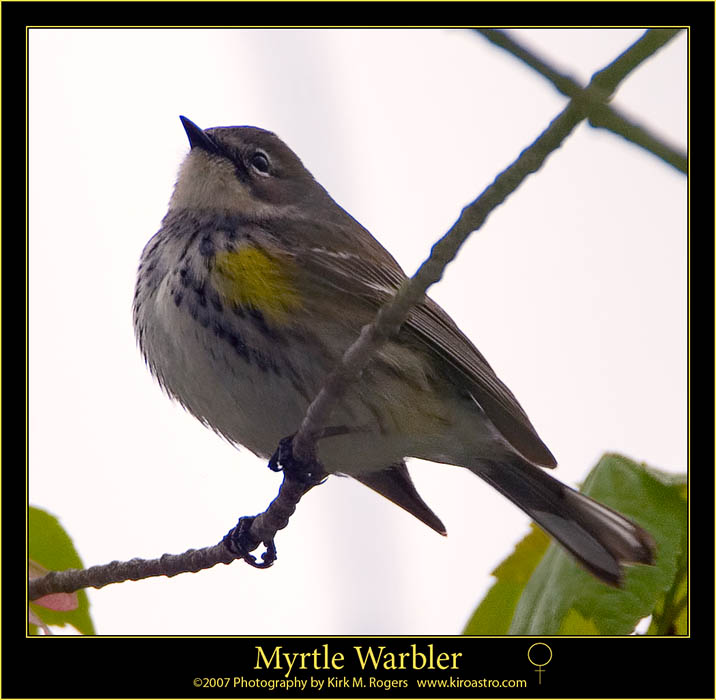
(575, 291)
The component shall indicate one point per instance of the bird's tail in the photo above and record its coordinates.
(600, 539)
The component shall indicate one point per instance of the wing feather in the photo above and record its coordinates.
(357, 265)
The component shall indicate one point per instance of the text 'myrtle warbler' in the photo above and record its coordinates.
(371, 658)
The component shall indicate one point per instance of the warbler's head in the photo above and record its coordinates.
(242, 169)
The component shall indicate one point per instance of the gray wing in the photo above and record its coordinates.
(360, 267)
(436, 329)
(341, 255)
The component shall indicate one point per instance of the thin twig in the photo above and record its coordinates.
(133, 570)
(602, 115)
(265, 527)
(394, 312)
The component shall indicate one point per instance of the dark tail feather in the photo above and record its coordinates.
(600, 539)
(395, 484)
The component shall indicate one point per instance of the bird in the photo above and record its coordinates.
(254, 286)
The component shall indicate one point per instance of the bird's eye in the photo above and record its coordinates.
(260, 162)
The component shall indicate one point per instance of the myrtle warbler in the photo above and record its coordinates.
(250, 293)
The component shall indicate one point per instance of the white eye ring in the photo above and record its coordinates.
(260, 163)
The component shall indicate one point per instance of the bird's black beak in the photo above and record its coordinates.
(197, 137)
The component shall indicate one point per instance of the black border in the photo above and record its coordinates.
(153, 667)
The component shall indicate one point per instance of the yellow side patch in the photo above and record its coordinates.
(250, 277)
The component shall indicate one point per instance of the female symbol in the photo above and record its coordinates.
(539, 654)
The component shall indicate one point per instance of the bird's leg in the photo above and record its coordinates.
(299, 477)
(310, 472)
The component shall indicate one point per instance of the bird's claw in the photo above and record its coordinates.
(240, 543)
(310, 473)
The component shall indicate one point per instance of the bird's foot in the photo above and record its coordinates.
(310, 472)
(240, 542)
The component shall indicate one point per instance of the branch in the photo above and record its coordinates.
(388, 320)
(267, 524)
(391, 316)
(133, 570)
(602, 115)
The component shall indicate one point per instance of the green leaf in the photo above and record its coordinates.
(540, 590)
(576, 625)
(670, 616)
(493, 615)
(559, 586)
(51, 547)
